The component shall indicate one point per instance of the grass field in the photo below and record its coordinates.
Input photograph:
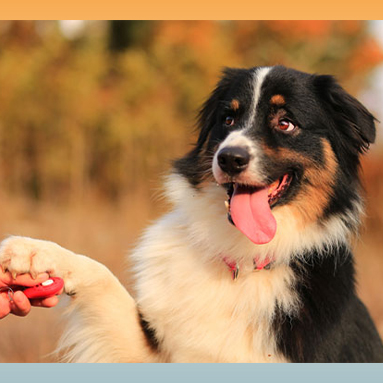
(106, 233)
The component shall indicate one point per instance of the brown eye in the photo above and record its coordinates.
(286, 125)
(229, 121)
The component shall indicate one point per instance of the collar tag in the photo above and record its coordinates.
(235, 272)
(233, 266)
(266, 264)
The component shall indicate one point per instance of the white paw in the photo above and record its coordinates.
(20, 255)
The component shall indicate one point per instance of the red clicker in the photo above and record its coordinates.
(46, 289)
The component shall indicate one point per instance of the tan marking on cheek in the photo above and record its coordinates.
(277, 99)
(311, 200)
(283, 154)
(234, 104)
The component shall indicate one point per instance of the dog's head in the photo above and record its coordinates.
(279, 140)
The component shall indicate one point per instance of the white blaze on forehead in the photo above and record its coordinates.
(254, 172)
(236, 138)
(258, 79)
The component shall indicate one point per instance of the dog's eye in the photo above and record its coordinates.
(286, 125)
(229, 121)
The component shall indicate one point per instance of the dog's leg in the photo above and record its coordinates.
(104, 324)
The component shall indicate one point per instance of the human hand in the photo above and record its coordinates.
(19, 304)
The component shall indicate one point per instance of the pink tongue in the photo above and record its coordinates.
(251, 214)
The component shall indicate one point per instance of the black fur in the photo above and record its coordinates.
(332, 324)
(149, 332)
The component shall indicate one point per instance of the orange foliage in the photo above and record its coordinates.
(350, 27)
(79, 120)
(366, 56)
(198, 35)
(300, 29)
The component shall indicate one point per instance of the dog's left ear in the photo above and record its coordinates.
(352, 119)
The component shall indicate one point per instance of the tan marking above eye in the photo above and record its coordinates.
(277, 99)
(234, 104)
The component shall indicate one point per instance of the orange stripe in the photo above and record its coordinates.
(191, 10)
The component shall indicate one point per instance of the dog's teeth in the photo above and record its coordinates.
(227, 205)
(230, 219)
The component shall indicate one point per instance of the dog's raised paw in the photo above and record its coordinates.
(20, 255)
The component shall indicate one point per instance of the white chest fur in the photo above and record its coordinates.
(199, 313)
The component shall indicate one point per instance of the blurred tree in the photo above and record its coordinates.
(77, 122)
(124, 34)
(19, 33)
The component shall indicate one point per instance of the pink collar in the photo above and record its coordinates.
(258, 265)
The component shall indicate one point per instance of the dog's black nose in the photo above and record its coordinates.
(233, 159)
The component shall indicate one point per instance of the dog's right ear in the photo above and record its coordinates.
(352, 120)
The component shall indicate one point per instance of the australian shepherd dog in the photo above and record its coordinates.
(253, 262)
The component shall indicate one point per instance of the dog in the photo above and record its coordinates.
(253, 262)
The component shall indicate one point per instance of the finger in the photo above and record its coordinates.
(1, 271)
(4, 306)
(45, 302)
(20, 305)
(27, 280)
(22, 279)
(4, 277)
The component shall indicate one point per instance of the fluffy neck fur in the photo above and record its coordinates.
(208, 228)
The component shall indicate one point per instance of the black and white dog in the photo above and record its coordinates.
(253, 263)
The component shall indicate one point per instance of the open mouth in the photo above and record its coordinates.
(249, 207)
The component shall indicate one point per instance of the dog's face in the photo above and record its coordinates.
(275, 137)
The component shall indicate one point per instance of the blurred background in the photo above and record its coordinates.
(93, 112)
